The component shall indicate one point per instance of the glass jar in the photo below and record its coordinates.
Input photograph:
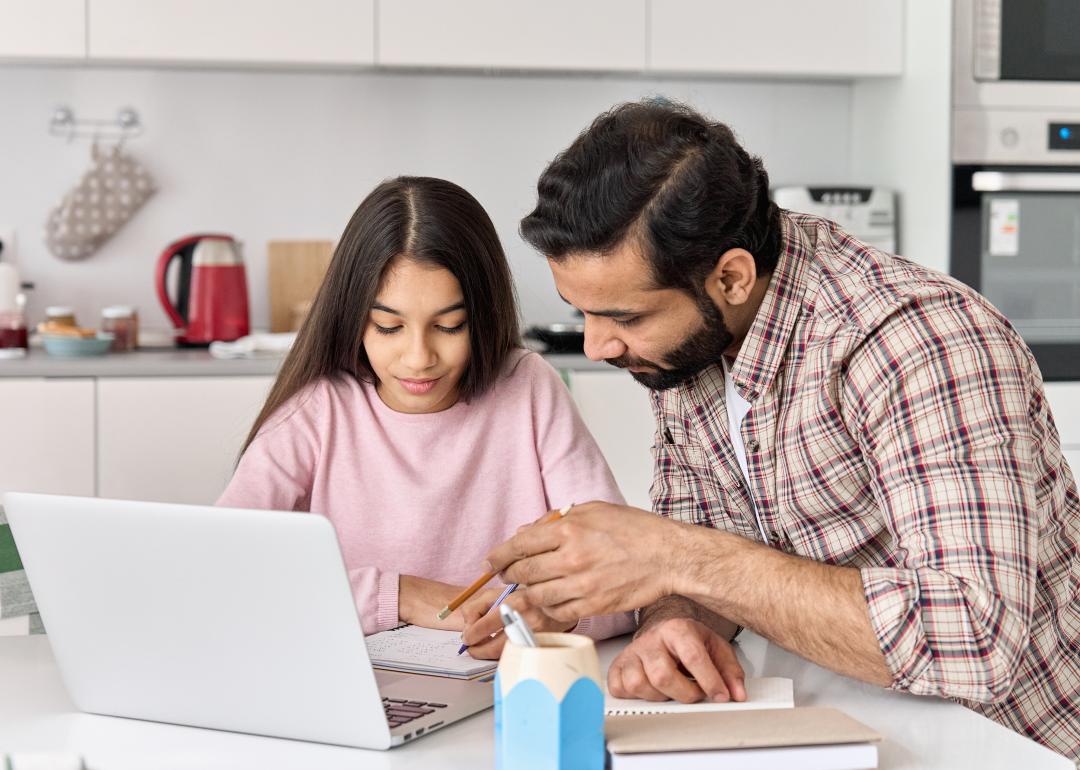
(60, 315)
(14, 339)
(123, 322)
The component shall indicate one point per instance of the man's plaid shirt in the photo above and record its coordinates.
(899, 425)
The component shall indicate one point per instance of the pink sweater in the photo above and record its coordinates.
(426, 494)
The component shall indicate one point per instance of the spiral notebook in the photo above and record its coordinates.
(417, 650)
(765, 692)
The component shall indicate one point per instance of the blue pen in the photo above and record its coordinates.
(502, 597)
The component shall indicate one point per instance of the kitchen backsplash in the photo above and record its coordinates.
(274, 155)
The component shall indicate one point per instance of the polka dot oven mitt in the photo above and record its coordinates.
(106, 197)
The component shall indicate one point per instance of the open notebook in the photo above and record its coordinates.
(766, 692)
(417, 650)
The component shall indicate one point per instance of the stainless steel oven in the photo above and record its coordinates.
(1016, 168)
(1016, 238)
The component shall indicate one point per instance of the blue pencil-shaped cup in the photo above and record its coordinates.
(549, 706)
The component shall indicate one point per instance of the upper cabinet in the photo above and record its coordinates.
(723, 38)
(514, 34)
(43, 29)
(313, 32)
(820, 38)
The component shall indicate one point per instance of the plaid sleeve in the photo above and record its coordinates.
(939, 396)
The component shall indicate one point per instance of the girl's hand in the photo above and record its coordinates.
(420, 600)
(480, 624)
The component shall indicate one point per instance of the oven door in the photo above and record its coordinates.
(1016, 239)
(1027, 40)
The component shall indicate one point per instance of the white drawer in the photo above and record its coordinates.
(1064, 400)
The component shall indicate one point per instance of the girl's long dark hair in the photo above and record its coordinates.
(434, 222)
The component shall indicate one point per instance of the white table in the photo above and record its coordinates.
(36, 715)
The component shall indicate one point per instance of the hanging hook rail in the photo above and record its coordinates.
(125, 125)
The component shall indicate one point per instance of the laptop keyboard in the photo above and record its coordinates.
(400, 712)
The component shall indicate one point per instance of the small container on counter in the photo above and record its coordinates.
(60, 315)
(123, 322)
(14, 339)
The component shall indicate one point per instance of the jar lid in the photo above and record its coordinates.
(118, 311)
(58, 310)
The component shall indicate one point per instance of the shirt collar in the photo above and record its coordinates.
(786, 299)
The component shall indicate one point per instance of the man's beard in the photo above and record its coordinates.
(701, 349)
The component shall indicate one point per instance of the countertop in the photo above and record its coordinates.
(918, 733)
(173, 362)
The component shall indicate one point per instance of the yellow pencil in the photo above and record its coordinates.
(483, 580)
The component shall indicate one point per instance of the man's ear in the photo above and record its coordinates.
(732, 279)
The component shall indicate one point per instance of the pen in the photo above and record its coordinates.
(502, 597)
(517, 630)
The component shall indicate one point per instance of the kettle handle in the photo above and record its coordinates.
(171, 252)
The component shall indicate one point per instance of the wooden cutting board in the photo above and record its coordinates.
(296, 271)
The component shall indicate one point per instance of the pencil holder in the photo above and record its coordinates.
(549, 706)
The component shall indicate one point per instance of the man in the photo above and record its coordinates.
(853, 457)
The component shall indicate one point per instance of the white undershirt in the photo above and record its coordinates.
(737, 409)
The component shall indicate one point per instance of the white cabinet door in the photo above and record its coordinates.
(616, 409)
(516, 34)
(173, 439)
(43, 29)
(819, 38)
(47, 436)
(321, 32)
(1064, 398)
(1072, 457)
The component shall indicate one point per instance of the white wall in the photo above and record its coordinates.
(900, 132)
(266, 155)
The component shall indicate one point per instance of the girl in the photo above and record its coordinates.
(408, 414)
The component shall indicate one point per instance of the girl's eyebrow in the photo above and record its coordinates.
(444, 311)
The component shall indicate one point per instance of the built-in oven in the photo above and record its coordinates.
(1016, 168)
(1016, 238)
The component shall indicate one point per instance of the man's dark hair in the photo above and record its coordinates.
(661, 173)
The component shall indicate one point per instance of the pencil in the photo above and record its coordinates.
(483, 580)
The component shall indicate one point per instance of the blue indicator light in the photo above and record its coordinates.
(1064, 132)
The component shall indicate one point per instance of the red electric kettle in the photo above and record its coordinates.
(211, 289)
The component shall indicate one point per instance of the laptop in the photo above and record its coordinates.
(231, 619)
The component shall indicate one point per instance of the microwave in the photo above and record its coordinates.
(1026, 40)
(1016, 71)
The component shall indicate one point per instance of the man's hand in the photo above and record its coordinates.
(679, 659)
(480, 624)
(598, 559)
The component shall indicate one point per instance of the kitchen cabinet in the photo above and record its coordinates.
(173, 439)
(515, 34)
(1064, 400)
(314, 32)
(823, 38)
(47, 436)
(617, 411)
(43, 29)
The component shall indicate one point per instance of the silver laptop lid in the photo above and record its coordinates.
(232, 619)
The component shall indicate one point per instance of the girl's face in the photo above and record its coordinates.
(417, 337)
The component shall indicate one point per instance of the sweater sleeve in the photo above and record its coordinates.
(573, 468)
(277, 473)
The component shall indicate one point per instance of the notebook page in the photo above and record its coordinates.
(767, 692)
(429, 649)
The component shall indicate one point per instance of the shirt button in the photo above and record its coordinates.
(753, 445)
